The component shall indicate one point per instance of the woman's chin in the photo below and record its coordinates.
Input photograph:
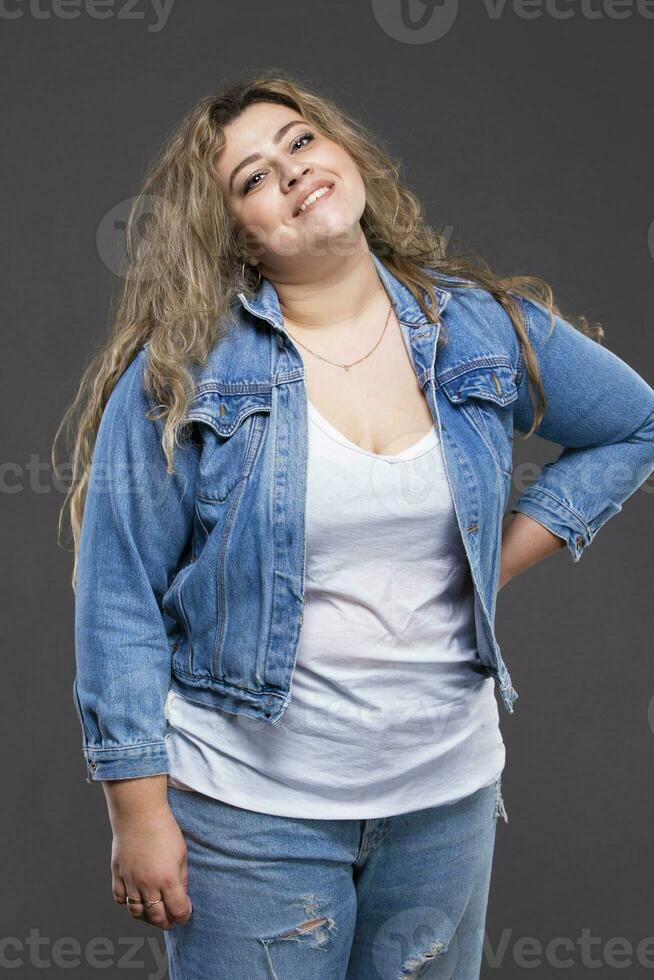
(329, 230)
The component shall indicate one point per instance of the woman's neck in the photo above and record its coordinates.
(347, 295)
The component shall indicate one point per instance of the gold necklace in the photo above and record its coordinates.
(347, 367)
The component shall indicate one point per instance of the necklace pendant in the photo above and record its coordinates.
(347, 367)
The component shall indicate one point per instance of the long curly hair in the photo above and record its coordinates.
(185, 267)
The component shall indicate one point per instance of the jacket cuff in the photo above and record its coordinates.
(126, 762)
(557, 517)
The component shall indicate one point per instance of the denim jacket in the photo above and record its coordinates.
(195, 580)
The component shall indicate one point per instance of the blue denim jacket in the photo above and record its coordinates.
(195, 580)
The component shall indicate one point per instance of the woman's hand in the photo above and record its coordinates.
(148, 855)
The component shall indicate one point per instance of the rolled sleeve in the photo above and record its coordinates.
(601, 412)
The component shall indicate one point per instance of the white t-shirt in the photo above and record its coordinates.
(391, 710)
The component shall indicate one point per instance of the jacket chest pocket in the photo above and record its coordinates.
(232, 428)
(485, 394)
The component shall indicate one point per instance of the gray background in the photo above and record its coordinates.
(532, 141)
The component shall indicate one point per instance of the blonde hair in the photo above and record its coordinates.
(185, 267)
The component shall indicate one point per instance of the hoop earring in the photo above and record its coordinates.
(258, 283)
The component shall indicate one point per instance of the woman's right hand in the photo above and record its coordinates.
(148, 855)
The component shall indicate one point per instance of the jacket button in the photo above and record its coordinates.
(580, 542)
(280, 341)
(93, 766)
(175, 647)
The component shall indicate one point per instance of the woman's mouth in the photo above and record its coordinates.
(315, 199)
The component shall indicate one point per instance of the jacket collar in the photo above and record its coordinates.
(265, 303)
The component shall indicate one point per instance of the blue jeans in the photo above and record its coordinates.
(284, 898)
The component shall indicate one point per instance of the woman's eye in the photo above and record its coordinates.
(298, 139)
(304, 136)
(248, 182)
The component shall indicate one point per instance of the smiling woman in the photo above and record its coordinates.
(287, 664)
(293, 173)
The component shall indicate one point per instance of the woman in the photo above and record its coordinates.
(293, 463)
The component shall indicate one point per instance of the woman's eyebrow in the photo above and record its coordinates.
(255, 156)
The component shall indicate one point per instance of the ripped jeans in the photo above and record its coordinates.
(284, 898)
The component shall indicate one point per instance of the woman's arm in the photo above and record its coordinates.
(524, 543)
(602, 413)
(136, 533)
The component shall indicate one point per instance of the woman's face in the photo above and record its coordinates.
(271, 161)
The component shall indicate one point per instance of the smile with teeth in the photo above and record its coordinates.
(313, 197)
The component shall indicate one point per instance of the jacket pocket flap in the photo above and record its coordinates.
(494, 382)
(224, 412)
